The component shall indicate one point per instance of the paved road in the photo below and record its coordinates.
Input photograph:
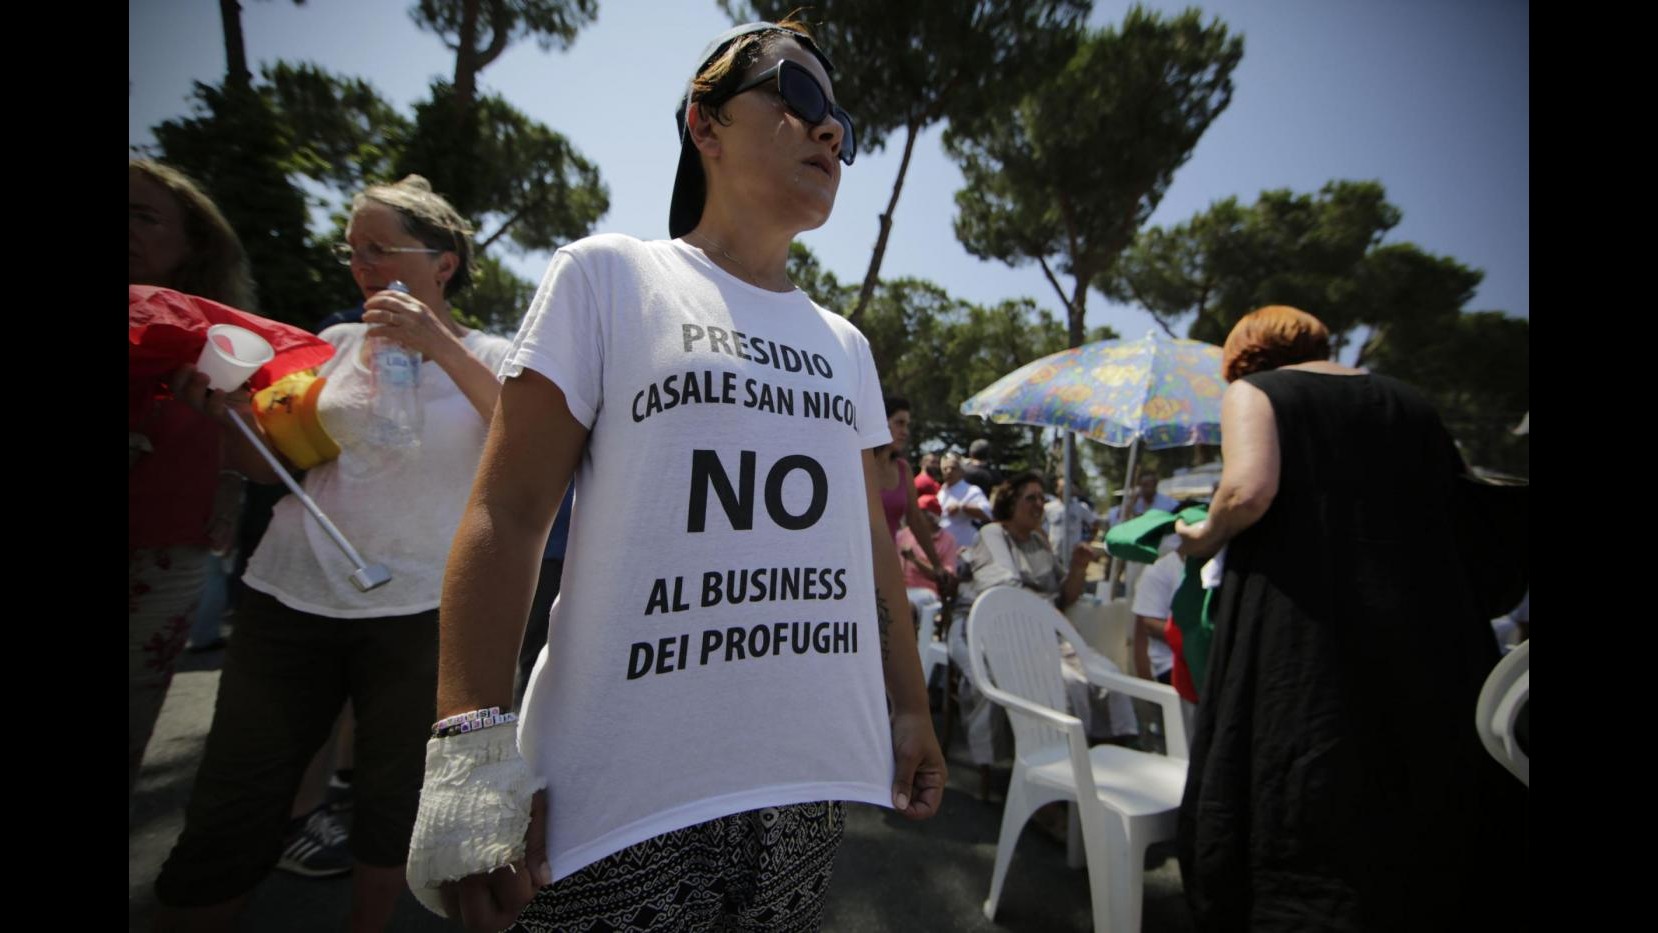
(891, 875)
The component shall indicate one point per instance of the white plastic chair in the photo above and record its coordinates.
(1505, 692)
(1125, 799)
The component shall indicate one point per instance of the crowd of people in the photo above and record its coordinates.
(508, 701)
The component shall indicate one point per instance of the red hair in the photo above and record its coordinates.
(1273, 336)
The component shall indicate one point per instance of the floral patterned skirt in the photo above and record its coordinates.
(163, 586)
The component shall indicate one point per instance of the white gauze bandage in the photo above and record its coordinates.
(474, 810)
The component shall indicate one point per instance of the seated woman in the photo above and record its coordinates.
(930, 585)
(1012, 551)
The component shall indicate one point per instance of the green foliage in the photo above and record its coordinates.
(236, 145)
(513, 177)
(1309, 251)
(1323, 253)
(905, 66)
(912, 64)
(937, 351)
(497, 300)
(817, 282)
(1476, 368)
(553, 23)
(1073, 170)
(342, 132)
(521, 183)
(1411, 295)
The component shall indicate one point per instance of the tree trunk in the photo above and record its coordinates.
(236, 55)
(466, 57)
(872, 276)
(1079, 303)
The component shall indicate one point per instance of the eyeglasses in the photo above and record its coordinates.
(802, 94)
(1034, 498)
(374, 254)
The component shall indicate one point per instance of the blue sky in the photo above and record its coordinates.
(1431, 97)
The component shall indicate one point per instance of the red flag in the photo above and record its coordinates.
(166, 329)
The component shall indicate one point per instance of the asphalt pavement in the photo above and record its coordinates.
(890, 874)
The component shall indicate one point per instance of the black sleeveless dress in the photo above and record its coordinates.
(1337, 781)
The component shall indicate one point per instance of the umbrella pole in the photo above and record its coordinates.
(1122, 516)
(1065, 500)
(366, 576)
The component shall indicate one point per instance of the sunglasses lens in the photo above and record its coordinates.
(801, 92)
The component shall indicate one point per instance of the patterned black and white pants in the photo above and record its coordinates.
(766, 869)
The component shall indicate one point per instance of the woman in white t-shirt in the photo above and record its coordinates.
(306, 639)
(732, 621)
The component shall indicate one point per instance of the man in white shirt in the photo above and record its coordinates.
(1145, 497)
(1142, 499)
(1063, 535)
(1153, 603)
(963, 503)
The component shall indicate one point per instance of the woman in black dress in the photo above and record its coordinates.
(1336, 779)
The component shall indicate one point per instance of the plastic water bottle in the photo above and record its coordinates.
(397, 413)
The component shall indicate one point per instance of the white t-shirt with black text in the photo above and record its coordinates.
(714, 646)
(397, 507)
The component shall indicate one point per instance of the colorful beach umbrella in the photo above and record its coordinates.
(1159, 391)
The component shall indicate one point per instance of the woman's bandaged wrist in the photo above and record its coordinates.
(474, 811)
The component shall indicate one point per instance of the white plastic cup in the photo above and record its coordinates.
(232, 355)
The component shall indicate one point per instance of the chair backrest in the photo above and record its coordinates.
(1012, 645)
(1506, 690)
(1107, 628)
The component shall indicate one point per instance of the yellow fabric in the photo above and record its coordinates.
(287, 410)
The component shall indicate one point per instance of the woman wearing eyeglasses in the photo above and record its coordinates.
(306, 638)
(733, 620)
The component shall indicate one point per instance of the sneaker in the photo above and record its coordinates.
(316, 848)
(339, 795)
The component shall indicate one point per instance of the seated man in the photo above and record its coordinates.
(1066, 526)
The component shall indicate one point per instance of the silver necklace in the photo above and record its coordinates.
(752, 278)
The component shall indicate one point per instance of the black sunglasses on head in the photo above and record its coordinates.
(802, 94)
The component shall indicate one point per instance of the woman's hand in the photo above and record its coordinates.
(190, 387)
(1082, 555)
(1197, 540)
(493, 901)
(407, 321)
(919, 771)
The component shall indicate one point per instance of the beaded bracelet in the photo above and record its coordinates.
(472, 722)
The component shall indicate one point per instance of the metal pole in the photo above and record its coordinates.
(1065, 500)
(365, 576)
(1122, 516)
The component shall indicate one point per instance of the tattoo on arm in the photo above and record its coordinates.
(883, 618)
